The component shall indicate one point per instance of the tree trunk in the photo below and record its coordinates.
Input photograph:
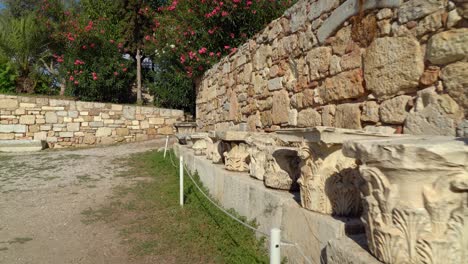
(62, 87)
(138, 59)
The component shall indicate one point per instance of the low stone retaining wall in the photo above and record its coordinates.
(66, 123)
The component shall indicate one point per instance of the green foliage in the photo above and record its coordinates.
(7, 78)
(171, 87)
(22, 41)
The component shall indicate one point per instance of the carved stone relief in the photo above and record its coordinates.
(415, 199)
(237, 158)
(282, 168)
(329, 181)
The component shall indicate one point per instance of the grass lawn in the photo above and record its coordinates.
(152, 222)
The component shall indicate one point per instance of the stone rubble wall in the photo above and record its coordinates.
(397, 66)
(65, 123)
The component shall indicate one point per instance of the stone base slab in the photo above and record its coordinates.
(21, 145)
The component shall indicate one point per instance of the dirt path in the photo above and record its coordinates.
(43, 195)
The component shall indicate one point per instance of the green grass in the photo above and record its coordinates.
(156, 224)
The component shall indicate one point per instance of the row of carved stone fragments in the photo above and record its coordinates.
(412, 191)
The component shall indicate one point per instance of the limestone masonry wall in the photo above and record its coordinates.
(65, 123)
(389, 65)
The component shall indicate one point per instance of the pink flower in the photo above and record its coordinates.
(211, 54)
(227, 47)
(233, 50)
(70, 37)
(182, 59)
(116, 73)
(89, 26)
(147, 37)
(249, 3)
(224, 13)
(84, 47)
(92, 45)
(124, 69)
(72, 78)
(232, 35)
(111, 41)
(76, 82)
(202, 50)
(94, 76)
(192, 55)
(78, 62)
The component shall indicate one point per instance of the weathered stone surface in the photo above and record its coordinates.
(280, 110)
(430, 76)
(370, 112)
(394, 111)
(455, 79)
(393, 65)
(8, 103)
(13, 128)
(348, 116)
(237, 158)
(122, 132)
(259, 146)
(434, 115)
(415, 9)
(51, 118)
(318, 60)
(27, 119)
(128, 112)
(282, 169)
(328, 115)
(292, 117)
(341, 40)
(73, 127)
(103, 132)
(462, 129)
(309, 118)
(345, 85)
(345, 250)
(405, 194)
(448, 46)
(275, 84)
(7, 136)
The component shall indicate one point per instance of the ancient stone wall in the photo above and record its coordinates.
(65, 123)
(387, 65)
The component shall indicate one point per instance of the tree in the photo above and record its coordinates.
(135, 29)
(20, 8)
(23, 41)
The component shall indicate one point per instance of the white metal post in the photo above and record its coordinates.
(275, 242)
(165, 148)
(181, 177)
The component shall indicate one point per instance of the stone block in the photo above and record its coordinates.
(280, 114)
(370, 112)
(318, 60)
(275, 84)
(27, 119)
(103, 132)
(66, 134)
(12, 128)
(393, 65)
(415, 9)
(122, 132)
(96, 124)
(348, 116)
(167, 130)
(128, 112)
(40, 136)
(448, 46)
(328, 115)
(8, 103)
(51, 117)
(73, 127)
(394, 111)
(7, 136)
(345, 85)
(309, 118)
(89, 139)
(455, 80)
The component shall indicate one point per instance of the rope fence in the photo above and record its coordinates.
(274, 245)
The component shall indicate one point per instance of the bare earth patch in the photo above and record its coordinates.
(42, 199)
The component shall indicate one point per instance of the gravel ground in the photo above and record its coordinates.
(43, 195)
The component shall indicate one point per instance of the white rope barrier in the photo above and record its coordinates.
(281, 242)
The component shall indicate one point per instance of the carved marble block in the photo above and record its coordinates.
(415, 198)
(282, 168)
(329, 181)
(236, 155)
(186, 127)
(259, 148)
(199, 143)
